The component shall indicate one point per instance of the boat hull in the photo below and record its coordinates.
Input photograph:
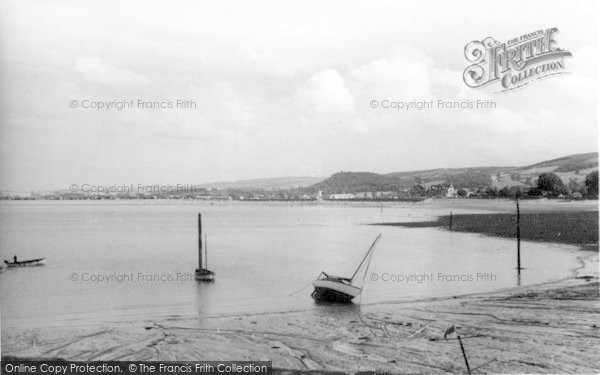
(29, 263)
(204, 275)
(334, 291)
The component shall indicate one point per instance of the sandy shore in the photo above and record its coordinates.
(549, 328)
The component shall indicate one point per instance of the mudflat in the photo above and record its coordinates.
(550, 328)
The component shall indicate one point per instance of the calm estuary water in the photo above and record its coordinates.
(134, 260)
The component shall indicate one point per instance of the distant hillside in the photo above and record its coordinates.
(275, 183)
(571, 169)
(570, 163)
(568, 168)
(351, 182)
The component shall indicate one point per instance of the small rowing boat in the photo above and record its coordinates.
(25, 263)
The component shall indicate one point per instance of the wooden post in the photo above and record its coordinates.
(450, 224)
(464, 354)
(199, 241)
(205, 252)
(518, 236)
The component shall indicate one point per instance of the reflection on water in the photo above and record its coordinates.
(135, 260)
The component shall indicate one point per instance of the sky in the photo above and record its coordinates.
(280, 89)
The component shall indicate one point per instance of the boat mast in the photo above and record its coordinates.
(199, 241)
(365, 257)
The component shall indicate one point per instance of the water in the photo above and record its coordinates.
(264, 256)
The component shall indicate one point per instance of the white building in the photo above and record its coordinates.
(342, 196)
(451, 193)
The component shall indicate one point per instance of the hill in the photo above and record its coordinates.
(570, 169)
(275, 183)
(570, 163)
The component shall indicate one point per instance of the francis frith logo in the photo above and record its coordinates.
(516, 62)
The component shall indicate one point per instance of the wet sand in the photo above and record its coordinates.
(549, 328)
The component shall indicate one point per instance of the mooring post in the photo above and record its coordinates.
(450, 223)
(518, 236)
(464, 354)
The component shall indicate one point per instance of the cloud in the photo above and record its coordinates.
(326, 93)
(401, 73)
(279, 92)
(94, 70)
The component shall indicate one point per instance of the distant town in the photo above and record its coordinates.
(569, 177)
(548, 185)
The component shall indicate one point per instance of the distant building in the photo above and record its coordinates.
(341, 196)
(364, 195)
(451, 193)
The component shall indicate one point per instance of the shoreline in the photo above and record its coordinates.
(549, 327)
(544, 328)
(568, 227)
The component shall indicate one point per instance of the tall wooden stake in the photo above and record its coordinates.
(464, 354)
(205, 252)
(518, 237)
(450, 224)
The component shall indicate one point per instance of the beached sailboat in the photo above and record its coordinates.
(340, 289)
(25, 263)
(202, 273)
